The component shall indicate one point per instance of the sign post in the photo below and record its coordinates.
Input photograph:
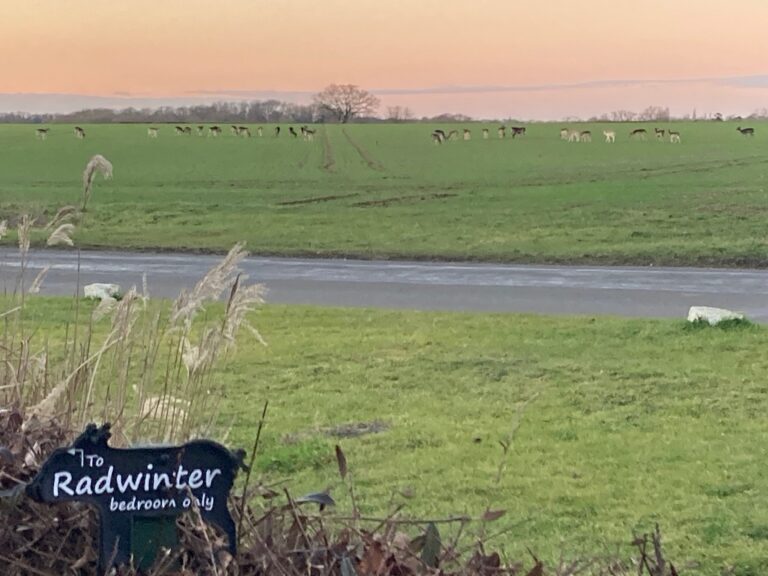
(140, 491)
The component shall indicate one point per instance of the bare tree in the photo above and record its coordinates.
(399, 113)
(345, 101)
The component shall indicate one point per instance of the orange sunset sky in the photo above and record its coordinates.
(529, 59)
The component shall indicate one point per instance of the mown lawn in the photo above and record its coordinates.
(387, 191)
(614, 424)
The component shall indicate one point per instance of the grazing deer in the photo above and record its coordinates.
(518, 131)
(244, 131)
(277, 131)
(292, 131)
(674, 137)
(659, 133)
(502, 131)
(308, 134)
(565, 134)
(640, 133)
(467, 134)
(574, 136)
(79, 133)
(260, 131)
(234, 130)
(152, 132)
(453, 135)
(585, 136)
(438, 136)
(214, 131)
(610, 135)
(200, 130)
(746, 131)
(42, 133)
(485, 133)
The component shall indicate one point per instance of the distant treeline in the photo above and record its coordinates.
(219, 112)
(275, 111)
(224, 112)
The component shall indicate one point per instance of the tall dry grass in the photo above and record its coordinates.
(149, 367)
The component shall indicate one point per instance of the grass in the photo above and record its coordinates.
(626, 423)
(386, 191)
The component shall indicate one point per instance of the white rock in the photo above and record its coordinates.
(101, 291)
(712, 315)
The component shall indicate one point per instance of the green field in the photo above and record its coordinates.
(627, 423)
(388, 191)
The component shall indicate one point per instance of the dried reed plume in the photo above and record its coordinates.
(96, 164)
(64, 214)
(38, 281)
(61, 235)
(25, 225)
(209, 288)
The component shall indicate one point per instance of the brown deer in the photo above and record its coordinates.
(585, 136)
(639, 133)
(746, 131)
(518, 131)
(214, 131)
(42, 133)
(244, 131)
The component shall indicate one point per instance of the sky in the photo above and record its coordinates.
(528, 59)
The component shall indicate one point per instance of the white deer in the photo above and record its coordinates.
(674, 137)
(610, 135)
(152, 132)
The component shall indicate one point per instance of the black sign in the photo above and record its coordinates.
(128, 484)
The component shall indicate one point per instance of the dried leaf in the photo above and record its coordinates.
(491, 515)
(341, 460)
(537, 570)
(322, 498)
(430, 554)
(347, 568)
(373, 561)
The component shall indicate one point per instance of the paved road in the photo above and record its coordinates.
(591, 290)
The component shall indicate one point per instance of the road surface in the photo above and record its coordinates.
(582, 290)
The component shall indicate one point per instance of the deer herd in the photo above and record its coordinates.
(307, 134)
(439, 136)
(570, 135)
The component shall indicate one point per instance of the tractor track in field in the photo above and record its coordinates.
(317, 199)
(365, 156)
(384, 202)
(329, 162)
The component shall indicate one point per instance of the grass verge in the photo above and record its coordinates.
(612, 425)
